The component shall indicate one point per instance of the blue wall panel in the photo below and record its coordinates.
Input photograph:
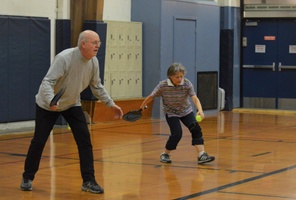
(24, 60)
(231, 19)
(19, 68)
(158, 38)
(207, 33)
(4, 69)
(63, 35)
(149, 12)
(39, 57)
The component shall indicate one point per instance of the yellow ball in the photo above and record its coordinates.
(198, 118)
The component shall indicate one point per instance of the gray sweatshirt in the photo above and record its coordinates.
(71, 70)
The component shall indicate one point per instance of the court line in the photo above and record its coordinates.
(259, 195)
(261, 154)
(217, 189)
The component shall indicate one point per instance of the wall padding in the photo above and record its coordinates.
(25, 58)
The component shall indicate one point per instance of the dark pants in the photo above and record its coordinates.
(44, 123)
(176, 130)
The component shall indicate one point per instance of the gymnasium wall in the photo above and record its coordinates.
(28, 47)
(60, 9)
(32, 8)
(24, 60)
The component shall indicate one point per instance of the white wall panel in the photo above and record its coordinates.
(230, 3)
(117, 10)
(269, 1)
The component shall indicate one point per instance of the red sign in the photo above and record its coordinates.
(269, 37)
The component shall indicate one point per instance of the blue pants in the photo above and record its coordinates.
(44, 123)
(176, 130)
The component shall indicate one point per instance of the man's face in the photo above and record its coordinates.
(91, 46)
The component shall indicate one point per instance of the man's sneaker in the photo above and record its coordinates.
(92, 186)
(204, 158)
(26, 185)
(165, 158)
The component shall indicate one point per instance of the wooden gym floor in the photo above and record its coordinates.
(255, 159)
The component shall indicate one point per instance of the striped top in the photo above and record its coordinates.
(175, 98)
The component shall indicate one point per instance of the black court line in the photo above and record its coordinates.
(162, 134)
(217, 189)
(259, 195)
(261, 154)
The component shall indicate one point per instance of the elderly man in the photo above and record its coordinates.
(74, 69)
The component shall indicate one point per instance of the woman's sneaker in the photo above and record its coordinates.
(26, 185)
(204, 158)
(92, 186)
(165, 158)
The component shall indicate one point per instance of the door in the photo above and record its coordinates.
(269, 63)
(287, 65)
(185, 45)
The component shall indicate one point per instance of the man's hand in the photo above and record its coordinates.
(117, 112)
(54, 107)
